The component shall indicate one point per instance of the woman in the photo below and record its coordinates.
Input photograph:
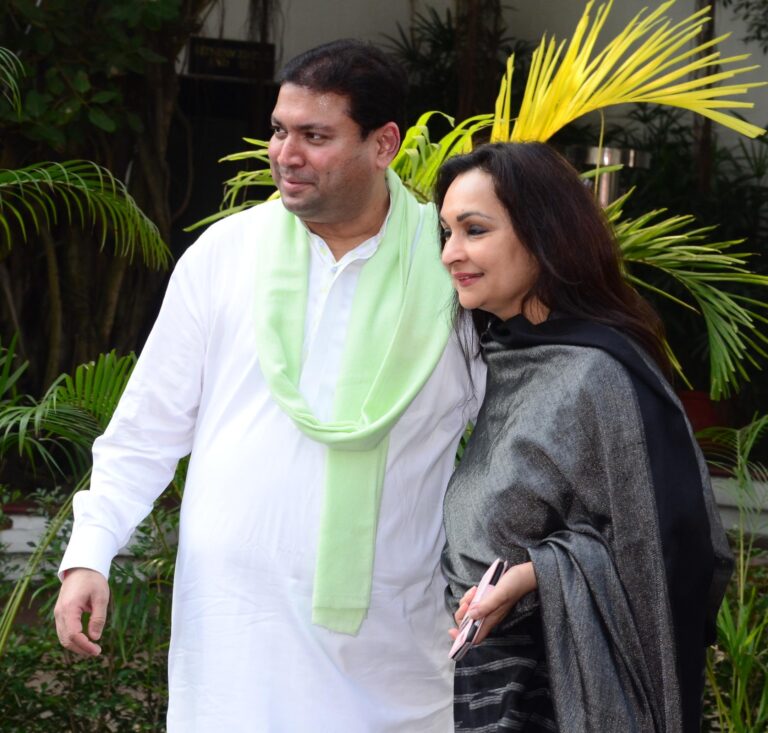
(581, 473)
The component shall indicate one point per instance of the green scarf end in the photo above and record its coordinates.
(342, 620)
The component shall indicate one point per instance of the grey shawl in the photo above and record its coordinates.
(582, 462)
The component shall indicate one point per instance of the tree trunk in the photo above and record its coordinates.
(703, 139)
(55, 320)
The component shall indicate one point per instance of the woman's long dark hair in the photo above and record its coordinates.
(558, 221)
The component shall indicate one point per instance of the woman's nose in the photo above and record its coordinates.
(451, 251)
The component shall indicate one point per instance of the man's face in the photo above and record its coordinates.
(325, 171)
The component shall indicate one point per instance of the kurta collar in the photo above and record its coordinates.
(364, 251)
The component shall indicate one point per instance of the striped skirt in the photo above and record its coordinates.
(502, 684)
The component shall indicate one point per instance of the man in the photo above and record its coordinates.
(302, 355)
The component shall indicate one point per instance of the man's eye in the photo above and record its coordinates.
(315, 137)
(277, 131)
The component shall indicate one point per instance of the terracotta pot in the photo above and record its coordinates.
(700, 409)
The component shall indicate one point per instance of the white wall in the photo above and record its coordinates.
(306, 23)
(302, 24)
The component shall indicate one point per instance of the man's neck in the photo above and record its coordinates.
(343, 237)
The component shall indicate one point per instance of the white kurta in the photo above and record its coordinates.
(244, 655)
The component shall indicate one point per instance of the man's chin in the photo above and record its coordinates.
(301, 207)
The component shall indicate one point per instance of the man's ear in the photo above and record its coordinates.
(387, 143)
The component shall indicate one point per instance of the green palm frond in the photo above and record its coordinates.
(10, 371)
(419, 159)
(650, 60)
(237, 196)
(86, 193)
(10, 70)
(34, 563)
(731, 448)
(704, 268)
(70, 416)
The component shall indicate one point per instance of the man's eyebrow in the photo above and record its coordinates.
(317, 126)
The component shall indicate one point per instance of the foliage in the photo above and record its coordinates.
(237, 190)
(10, 70)
(58, 430)
(734, 206)
(97, 82)
(702, 267)
(454, 61)
(86, 193)
(44, 689)
(643, 63)
(77, 71)
(754, 13)
(35, 198)
(737, 669)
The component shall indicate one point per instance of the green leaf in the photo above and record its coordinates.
(49, 134)
(43, 42)
(68, 110)
(105, 96)
(149, 55)
(53, 81)
(10, 71)
(101, 119)
(81, 82)
(135, 122)
(35, 103)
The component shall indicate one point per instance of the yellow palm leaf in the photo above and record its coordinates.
(502, 119)
(650, 60)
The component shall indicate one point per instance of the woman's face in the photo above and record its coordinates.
(490, 267)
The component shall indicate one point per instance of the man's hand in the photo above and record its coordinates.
(82, 591)
(497, 603)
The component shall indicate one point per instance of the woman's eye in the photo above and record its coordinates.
(445, 234)
(475, 230)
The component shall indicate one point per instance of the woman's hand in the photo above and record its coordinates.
(518, 581)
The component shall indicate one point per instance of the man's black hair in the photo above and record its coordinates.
(373, 82)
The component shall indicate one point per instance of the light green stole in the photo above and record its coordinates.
(398, 329)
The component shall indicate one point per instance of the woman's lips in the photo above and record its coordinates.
(466, 278)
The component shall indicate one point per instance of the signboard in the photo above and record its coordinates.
(234, 59)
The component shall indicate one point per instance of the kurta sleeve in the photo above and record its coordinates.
(151, 429)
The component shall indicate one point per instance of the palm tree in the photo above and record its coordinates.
(35, 198)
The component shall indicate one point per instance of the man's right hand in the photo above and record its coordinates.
(82, 591)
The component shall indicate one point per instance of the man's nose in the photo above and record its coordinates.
(289, 153)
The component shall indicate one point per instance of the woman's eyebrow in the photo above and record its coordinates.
(467, 214)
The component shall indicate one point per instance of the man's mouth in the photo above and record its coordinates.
(294, 181)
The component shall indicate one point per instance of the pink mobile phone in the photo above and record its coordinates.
(469, 627)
